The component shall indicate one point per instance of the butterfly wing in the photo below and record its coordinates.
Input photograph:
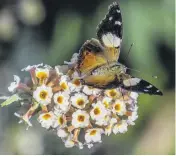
(95, 53)
(90, 56)
(109, 32)
(141, 86)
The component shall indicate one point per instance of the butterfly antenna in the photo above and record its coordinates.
(130, 49)
(153, 76)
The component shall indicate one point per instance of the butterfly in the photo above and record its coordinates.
(98, 64)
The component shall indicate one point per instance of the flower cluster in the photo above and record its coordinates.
(68, 107)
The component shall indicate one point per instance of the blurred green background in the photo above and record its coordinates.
(50, 31)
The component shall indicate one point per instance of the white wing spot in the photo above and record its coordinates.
(150, 86)
(157, 91)
(131, 82)
(117, 23)
(110, 18)
(118, 11)
(111, 40)
(145, 90)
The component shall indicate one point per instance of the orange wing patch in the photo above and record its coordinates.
(91, 56)
(90, 61)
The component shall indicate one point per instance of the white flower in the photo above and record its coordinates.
(75, 85)
(79, 100)
(80, 145)
(108, 129)
(60, 120)
(61, 101)
(113, 93)
(98, 112)
(46, 119)
(30, 67)
(120, 127)
(90, 90)
(132, 118)
(134, 95)
(104, 121)
(93, 135)
(43, 95)
(119, 107)
(42, 74)
(107, 102)
(64, 83)
(62, 133)
(113, 121)
(80, 119)
(14, 84)
(69, 143)
(46, 66)
(73, 59)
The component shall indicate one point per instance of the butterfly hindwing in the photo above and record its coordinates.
(141, 86)
(90, 56)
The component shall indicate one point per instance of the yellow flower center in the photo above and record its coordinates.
(80, 102)
(113, 93)
(117, 107)
(106, 104)
(93, 132)
(60, 99)
(119, 125)
(41, 75)
(63, 86)
(81, 118)
(76, 82)
(97, 111)
(43, 94)
(60, 120)
(46, 116)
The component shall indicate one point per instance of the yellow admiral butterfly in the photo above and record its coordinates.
(98, 64)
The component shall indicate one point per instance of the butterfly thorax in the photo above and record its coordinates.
(113, 68)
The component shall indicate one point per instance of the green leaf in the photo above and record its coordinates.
(10, 100)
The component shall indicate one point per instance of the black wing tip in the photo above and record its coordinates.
(107, 25)
(114, 4)
(158, 92)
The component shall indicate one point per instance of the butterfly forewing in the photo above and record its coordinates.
(141, 86)
(109, 31)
